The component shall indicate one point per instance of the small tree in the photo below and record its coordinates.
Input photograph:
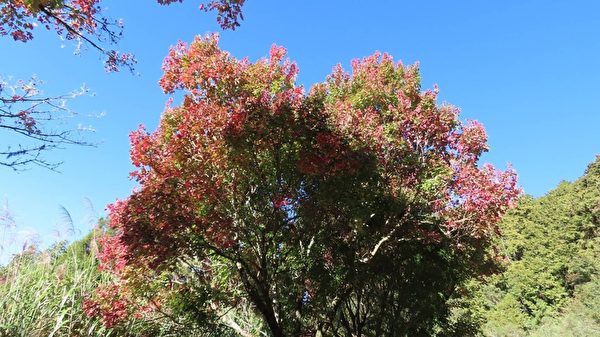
(356, 209)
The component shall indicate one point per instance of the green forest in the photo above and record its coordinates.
(547, 285)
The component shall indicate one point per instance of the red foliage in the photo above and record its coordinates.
(229, 11)
(183, 164)
(109, 304)
(248, 155)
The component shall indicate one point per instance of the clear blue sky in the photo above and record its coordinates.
(528, 70)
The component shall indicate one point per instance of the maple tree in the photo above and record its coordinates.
(357, 208)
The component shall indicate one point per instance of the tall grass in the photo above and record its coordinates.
(41, 293)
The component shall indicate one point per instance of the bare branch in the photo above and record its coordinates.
(37, 124)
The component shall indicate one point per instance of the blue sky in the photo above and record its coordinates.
(528, 70)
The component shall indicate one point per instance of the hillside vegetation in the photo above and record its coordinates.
(550, 285)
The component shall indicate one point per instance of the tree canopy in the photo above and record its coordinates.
(356, 209)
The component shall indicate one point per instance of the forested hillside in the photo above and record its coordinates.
(550, 285)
